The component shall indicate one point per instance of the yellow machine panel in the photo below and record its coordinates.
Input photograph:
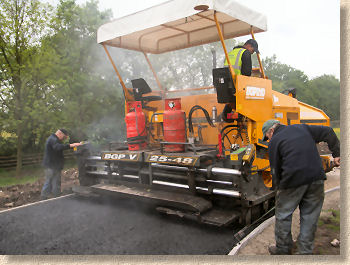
(312, 115)
(254, 97)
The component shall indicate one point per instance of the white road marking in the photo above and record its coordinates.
(33, 203)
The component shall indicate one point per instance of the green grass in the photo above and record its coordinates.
(335, 228)
(333, 222)
(26, 171)
(29, 174)
(10, 181)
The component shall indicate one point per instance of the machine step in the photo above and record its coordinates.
(171, 199)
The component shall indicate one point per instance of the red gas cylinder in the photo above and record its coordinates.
(135, 126)
(174, 125)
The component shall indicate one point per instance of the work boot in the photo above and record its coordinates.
(274, 251)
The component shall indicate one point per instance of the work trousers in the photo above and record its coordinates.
(310, 199)
(52, 182)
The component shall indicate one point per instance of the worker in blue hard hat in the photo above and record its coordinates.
(240, 57)
(298, 175)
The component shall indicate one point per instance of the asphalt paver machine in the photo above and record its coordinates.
(195, 155)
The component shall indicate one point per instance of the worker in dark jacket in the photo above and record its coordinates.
(298, 175)
(240, 57)
(53, 162)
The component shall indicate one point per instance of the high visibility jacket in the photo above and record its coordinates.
(236, 59)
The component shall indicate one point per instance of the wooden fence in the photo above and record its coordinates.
(29, 159)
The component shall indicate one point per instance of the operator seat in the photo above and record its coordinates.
(140, 87)
(223, 83)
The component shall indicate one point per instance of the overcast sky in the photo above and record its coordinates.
(304, 34)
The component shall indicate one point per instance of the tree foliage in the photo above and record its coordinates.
(50, 72)
(22, 24)
(322, 92)
(187, 68)
(82, 88)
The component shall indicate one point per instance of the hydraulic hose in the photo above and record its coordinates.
(235, 127)
(193, 109)
(228, 126)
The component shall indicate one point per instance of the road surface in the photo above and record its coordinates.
(75, 225)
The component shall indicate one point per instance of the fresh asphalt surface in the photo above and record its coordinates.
(74, 225)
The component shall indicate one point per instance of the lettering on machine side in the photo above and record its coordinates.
(120, 156)
(177, 160)
(252, 92)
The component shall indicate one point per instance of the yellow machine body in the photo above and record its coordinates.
(256, 109)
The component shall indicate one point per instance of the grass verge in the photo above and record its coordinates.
(331, 221)
(29, 174)
(10, 181)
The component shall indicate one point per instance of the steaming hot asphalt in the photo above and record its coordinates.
(74, 225)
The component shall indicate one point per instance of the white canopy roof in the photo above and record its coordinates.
(176, 24)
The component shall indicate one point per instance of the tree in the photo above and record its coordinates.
(22, 24)
(283, 76)
(85, 90)
(191, 67)
(322, 92)
(326, 94)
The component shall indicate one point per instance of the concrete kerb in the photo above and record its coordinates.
(260, 229)
(251, 235)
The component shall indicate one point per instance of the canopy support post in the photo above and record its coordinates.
(258, 55)
(127, 95)
(154, 73)
(224, 46)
